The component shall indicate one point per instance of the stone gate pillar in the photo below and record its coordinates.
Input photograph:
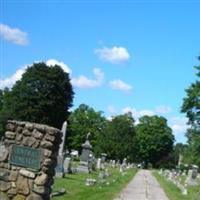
(27, 161)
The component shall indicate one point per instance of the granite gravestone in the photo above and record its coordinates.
(28, 162)
(84, 165)
(192, 175)
(103, 160)
(98, 163)
(67, 165)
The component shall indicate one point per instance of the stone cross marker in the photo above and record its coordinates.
(27, 165)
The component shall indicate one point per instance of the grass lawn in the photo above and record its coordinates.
(174, 193)
(77, 190)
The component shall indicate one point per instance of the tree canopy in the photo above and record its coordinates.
(151, 140)
(83, 120)
(43, 94)
(154, 140)
(191, 107)
(118, 138)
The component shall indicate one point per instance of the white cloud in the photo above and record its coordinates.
(14, 35)
(146, 112)
(53, 62)
(120, 85)
(114, 55)
(138, 113)
(10, 81)
(178, 125)
(84, 82)
(163, 109)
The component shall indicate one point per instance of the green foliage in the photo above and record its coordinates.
(113, 137)
(5, 109)
(1, 99)
(191, 103)
(179, 150)
(151, 141)
(154, 140)
(192, 152)
(191, 107)
(44, 94)
(118, 139)
(83, 120)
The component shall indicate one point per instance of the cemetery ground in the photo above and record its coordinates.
(109, 189)
(174, 193)
(104, 189)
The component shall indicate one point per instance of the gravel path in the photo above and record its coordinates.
(144, 186)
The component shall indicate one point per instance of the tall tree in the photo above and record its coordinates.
(154, 140)
(118, 139)
(191, 106)
(44, 94)
(83, 120)
(179, 150)
(1, 99)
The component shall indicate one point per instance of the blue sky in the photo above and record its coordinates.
(122, 55)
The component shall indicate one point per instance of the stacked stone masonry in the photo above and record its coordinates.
(19, 182)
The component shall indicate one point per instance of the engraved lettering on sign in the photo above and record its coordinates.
(25, 156)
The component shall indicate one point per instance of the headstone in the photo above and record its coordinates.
(124, 163)
(90, 182)
(74, 154)
(170, 176)
(67, 165)
(84, 165)
(113, 164)
(60, 167)
(160, 171)
(60, 158)
(180, 159)
(184, 173)
(192, 175)
(103, 160)
(99, 163)
(64, 131)
(121, 169)
(27, 165)
(107, 172)
(92, 161)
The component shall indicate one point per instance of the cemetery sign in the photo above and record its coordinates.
(25, 157)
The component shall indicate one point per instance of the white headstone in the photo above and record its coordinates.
(99, 163)
(67, 165)
(64, 132)
(121, 169)
(192, 176)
